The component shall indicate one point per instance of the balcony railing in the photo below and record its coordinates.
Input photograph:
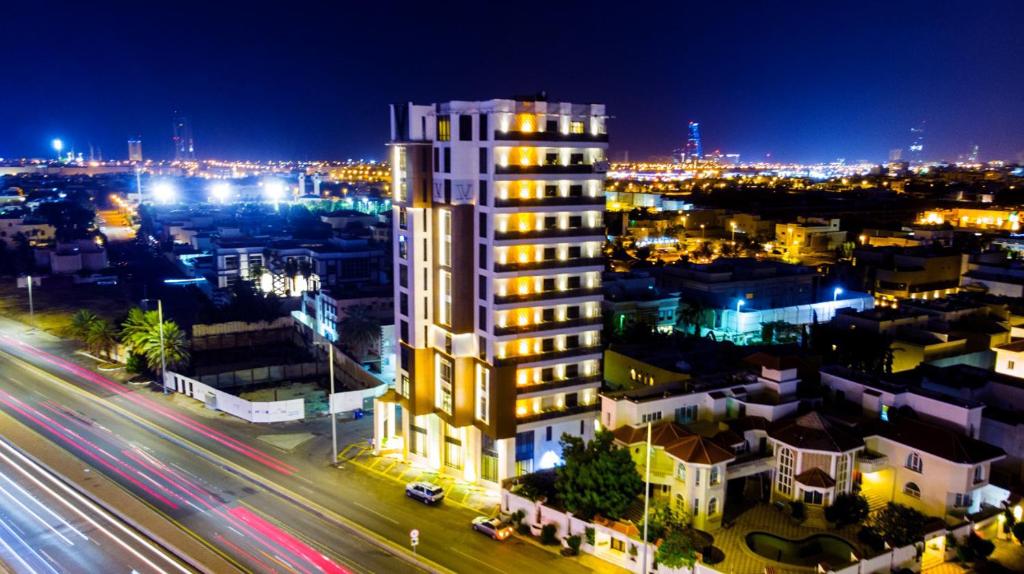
(548, 355)
(549, 233)
(556, 385)
(549, 137)
(557, 413)
(549, 201)
(545, 296)
(550, 264)
(551, 169)
(549, 325)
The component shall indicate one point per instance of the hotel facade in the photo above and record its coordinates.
(498, 230)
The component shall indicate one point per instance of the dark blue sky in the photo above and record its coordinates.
(805, 81)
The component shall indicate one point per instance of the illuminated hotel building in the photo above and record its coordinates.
(498, 233)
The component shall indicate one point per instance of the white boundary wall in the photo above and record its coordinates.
(254, 412)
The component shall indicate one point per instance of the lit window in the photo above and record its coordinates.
(483, 392)
(914, 462)
(912, 490)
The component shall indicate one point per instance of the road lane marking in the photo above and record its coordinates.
(33, 514)
(368, 509)
(477, 560)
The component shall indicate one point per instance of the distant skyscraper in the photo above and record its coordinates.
(694, 149)
(895, 154)
(973, 156)
(135, 150)
(184, 145)
(916, 148)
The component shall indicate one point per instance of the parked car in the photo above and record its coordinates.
(493, 527)
(425, 492)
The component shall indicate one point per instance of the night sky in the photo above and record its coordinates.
(804, 81)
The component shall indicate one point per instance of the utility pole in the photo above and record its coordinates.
(163, 359)
(330, 405)
(31, 306)
(647, 494)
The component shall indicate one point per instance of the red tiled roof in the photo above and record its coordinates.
(816, 478)
(677, 441)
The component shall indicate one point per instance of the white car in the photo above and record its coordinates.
(493, 527)
(425, 492)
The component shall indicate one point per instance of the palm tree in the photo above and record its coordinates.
(141, 334)
(359, 329)
(101, 337)
(81, 322)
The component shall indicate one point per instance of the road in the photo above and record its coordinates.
(46, 527)
(211, 473)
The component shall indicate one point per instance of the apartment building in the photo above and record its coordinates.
(498, 228)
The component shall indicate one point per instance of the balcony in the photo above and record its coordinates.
(550, 264)
(548, 356)
(549, 325)
(870, 461)
(550, 233)
(556, 385)
(545, 296)
(552, 169)
(549, 137)
(557, 413)
(549, 201)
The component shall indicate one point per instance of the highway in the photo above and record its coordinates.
(267, 510)
(46, 527)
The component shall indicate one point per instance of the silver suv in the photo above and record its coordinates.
(425, 492)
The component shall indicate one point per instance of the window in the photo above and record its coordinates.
(696, 507)
(483, 160)
(914, 462)
(444, 128)
(447, 164)
(843, 474)
(547, 434)
(403, 247)
(962, 500)
(444, 383)
(576, 128)
(813, 497)
(524, 446)
(912, 490)
(979, 474)
(483, 192)
(686, 414)
(1009, 365)
(787, 461)
(481, 345)
(402, 218)
(403, 304)
(483, 392)
(481, 316)
(481, 287)
(482, 256)
(681, 472)
(403, 388)
(403, 275)
(445, 280)
(437, 159)
(713, 506)
(650, 417)
(714, 477)
(482, 126)
(465, 128)
(445, 225)
(482, 225)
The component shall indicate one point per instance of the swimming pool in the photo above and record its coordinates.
(805, 552)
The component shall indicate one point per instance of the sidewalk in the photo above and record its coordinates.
(457, 491)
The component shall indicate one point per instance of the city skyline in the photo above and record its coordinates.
(805, 84)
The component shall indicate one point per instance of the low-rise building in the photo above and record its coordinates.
(808, 235)
(893, 274)
(16, 224)
(634, 298)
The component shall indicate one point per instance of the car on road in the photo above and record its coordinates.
(425, 492)
(493, 527)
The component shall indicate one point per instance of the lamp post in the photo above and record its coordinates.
(733, 226)
(163, 356)
(836, 293)
(702, 232)
(330, 400)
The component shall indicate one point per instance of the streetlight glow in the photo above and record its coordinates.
(164, 192)
(220, 192)
(836, 293)
(58, 145)
(273, 190)
(740, 303)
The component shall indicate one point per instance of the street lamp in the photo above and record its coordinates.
(740, 303)
(163, 359)
(836, 293)
(330, 398)
(58, 146)
(220, 192)
(702, 231)
(164, 192)
(273, 191)
(733, 225)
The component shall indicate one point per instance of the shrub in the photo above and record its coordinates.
(134, 364)
(871, 538)
(980, 548)
(517, 517)
(847, 509)
(900, 525)
(1018, 532)
(797, 510)
(589, 533)
(574, 542)
(548, 534)
(523, 528)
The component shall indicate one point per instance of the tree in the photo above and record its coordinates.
(848, 508)
(101, 337)
(597, 477)
(678, 549)
(359, 329)
(140, 333)
(81, 322)
(900, 525)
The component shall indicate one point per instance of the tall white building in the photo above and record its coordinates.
(498, 233)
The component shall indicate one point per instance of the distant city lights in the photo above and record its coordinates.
(220, 192)
(164, 192)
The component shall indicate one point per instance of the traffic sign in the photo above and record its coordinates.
(414, 533)
(414, 538)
